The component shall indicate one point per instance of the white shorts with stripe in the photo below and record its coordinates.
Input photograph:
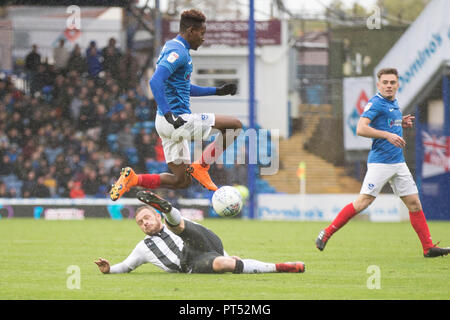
(176, 142)
(397, 174)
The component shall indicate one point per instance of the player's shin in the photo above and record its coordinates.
(255, 266)
(420, 225)
(341, 219)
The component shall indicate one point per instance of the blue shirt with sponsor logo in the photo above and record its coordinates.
(384, 115)
(176, 58)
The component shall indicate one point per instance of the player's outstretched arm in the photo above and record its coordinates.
(103, 265)
(226, 89)
(197, 91)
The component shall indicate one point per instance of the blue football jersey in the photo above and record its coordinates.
(175, 57)
(384, 115)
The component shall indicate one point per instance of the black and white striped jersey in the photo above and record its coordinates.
(162, 250)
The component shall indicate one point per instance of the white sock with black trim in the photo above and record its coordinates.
(255, 266)
(173, 218)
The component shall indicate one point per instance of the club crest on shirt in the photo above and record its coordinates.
(394, 122)
(173, 56)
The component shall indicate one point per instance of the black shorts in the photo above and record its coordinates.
(201, 247)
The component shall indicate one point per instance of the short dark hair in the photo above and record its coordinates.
(387, 71)
(138, 210)
(191, 18)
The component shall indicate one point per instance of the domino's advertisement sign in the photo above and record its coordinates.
(420, 51)
(325, 207)
(356, 95)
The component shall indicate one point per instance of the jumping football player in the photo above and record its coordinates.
(175, 123)
(382, 121)
(184, 246)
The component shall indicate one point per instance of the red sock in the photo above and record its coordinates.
(149, 180)
(342, 218)
(419, 223)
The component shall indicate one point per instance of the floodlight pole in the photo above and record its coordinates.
(251, 168)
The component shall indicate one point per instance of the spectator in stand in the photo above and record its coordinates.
(104, 187)
(94, 60)
(146, 149)
(125, 139)
(2, 88)
(15, 122)
(6, 167)
(29, 185)
(14, 136)
(87, 116)
(41, 78)
(76, 102)
(76, 61)
(63, 177)
(111, 58)
(4, 192)
(40, 190)
(50, 181)
(32, 61)
(61, 56)
(128, 70)
(76, 190)
(90, 183)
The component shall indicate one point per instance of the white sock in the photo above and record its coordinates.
(173, 217)
(255, 266)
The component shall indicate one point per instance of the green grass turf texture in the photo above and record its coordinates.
(35, 255)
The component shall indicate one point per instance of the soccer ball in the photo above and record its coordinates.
(227, 201)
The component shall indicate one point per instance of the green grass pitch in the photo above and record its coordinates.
(35, 256)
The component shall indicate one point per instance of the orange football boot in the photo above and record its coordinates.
(200, 173)
(128, 179)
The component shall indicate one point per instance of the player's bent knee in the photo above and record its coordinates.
(224, 264)
(238, 124)
(414, 206)
(363, 202)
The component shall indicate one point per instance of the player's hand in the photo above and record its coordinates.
(396, 140)
(174, 120)
(407, 121)
(229, 88)
(103, 265)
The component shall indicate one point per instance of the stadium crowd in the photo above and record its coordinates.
(83, 118)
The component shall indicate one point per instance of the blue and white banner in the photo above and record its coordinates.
(325, 207)
(433, 171)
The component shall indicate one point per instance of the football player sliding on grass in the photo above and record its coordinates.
(382, 121)
(180, 245)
